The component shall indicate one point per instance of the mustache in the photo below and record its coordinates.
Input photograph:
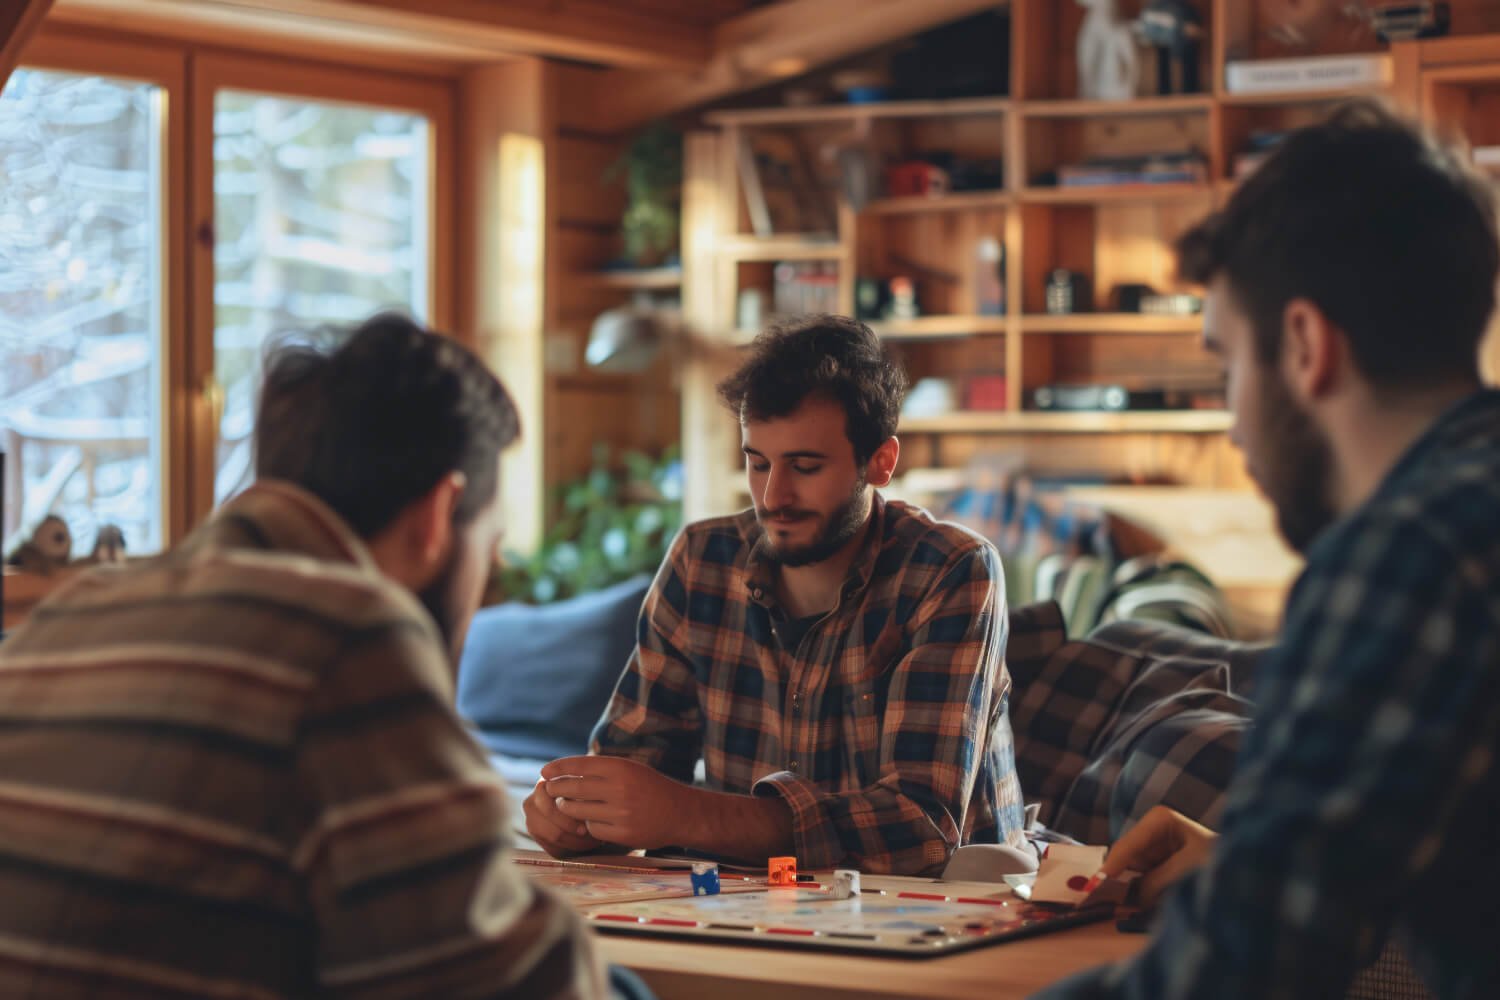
(790, 513)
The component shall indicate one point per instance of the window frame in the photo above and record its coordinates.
(189, 74)
(165, 67)
(211, 71)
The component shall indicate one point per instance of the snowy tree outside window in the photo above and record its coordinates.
(320, 218)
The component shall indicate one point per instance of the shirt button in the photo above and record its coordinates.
(792, 765)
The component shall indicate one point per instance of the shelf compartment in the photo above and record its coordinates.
(645, 280)
(849, 112)
(1107, 323)
(1128, 192)
(775, 248)
(1072, 422)
(1300, 96)
(961, 201)
(1173, 104)
(924, 327)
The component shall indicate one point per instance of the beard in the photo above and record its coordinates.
(839, 525)
(1298, 474)
(441, 599)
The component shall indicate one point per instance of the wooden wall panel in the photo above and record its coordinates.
(625, 412)
(19, 21)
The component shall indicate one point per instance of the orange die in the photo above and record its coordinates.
(782, 872)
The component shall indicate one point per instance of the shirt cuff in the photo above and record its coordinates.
(815, 839)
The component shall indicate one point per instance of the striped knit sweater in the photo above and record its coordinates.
(235, 771)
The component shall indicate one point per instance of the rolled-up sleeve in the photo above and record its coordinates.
(654, 715)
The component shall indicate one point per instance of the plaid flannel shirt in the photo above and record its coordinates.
(1137, 715)
(884, 730)
(1367, 797)
(236, 771)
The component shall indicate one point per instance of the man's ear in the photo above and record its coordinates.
(1313, 351)
(430, 528)
(882, 464)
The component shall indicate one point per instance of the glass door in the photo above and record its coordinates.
(323, 212)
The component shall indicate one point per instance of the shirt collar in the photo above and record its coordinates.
(290, 519)
(1475, 413)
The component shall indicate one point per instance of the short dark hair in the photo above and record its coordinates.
(833, 357)
(1378, 223)
(369, 419)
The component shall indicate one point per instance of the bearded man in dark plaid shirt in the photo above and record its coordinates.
(1350, 280)
(836, 660)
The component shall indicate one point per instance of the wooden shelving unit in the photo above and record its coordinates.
(1136, 422)
(939, 326)
(1106, 323)
(962, 201)
(1068, 108)
(656, 279)
(1090, 195)
(1297, 97)
(1115, 235)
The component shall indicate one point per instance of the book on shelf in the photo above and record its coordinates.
(1163, 168)
(1280, 76)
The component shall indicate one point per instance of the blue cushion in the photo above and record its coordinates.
(534, 679)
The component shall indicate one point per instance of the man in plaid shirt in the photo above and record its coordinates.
(836, 660)
(1350, 280)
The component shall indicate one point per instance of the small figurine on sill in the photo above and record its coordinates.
(109, 545)
(1175, 29)
(49, 547)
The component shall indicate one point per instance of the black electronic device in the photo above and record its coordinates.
(1096, 398)
(1395, 22)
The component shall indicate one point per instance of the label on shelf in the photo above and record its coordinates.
(1276, 76)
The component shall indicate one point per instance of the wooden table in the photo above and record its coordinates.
(694, 970)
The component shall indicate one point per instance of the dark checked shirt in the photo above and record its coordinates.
(883, 728)
(1367, 798)
(235, 771)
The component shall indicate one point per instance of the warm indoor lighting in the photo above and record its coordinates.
(787, 66)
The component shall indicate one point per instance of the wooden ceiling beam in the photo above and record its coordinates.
(18, 22)
(464, 31)
(766, 44)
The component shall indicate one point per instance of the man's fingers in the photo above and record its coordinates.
(555, 839)
(587, 811)
(544, 819)
(1149, 843)
(1163, 876)
(582, 789)
(581, 765)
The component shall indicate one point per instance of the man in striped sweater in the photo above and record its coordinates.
(235, 770)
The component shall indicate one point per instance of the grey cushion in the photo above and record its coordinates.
(534, 679)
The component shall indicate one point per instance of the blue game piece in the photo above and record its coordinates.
(705, 878)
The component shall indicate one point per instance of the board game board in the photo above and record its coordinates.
(873, 922)
(909, 917)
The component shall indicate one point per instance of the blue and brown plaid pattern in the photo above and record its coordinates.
(1366, 803)
(1104, 730)
(884, 730)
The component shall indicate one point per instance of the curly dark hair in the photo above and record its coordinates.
(833, 357)
(369, 419)
(1378, 223)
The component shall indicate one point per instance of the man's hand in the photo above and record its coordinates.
(557, 834)
(618, 801)
(1165, 845)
